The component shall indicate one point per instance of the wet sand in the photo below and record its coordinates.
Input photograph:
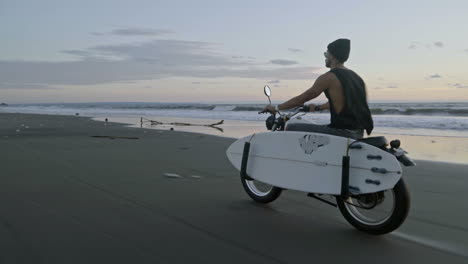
(452, 149)
(173, 197)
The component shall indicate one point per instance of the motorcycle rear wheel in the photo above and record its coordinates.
(261, 192)
(353, 211)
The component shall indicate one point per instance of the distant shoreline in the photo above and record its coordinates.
(452, 150)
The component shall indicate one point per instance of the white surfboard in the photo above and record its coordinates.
(312, 162)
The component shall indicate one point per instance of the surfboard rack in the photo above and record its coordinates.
(245, 158)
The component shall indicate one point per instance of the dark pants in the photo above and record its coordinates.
(324, 129)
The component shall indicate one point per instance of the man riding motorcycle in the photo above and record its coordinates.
(346, 94)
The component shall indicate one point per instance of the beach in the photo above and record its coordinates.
(78, 190)
(421, 146)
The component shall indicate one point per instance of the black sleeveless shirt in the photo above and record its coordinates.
(355, 113)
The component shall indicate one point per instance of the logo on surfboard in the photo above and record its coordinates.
(310, 143)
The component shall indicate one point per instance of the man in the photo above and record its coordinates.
(346, 94)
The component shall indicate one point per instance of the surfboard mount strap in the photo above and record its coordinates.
(245, 157)
(345, 177)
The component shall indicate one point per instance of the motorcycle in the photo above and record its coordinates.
(374, 213)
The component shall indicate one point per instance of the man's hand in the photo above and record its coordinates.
(312, 107)
(268, 109)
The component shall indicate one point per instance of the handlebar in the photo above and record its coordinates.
(273, 122)
(304, 108)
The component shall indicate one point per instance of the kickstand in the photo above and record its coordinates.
(313, 195)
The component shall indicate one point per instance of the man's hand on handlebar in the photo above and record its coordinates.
(304, 108)
(312, 108)
(268, 109)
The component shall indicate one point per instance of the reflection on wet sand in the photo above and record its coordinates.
(434, 148)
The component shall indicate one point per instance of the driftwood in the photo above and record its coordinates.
(154, 122)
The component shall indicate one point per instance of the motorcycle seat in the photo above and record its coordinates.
(375, 141)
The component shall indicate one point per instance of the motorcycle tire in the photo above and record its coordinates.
(398, 215)
(272, 193)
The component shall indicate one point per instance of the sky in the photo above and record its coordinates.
(226, 51)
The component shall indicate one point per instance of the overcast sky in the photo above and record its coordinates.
(225, 51)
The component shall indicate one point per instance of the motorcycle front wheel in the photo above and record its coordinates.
(377, 213)
(261, 192)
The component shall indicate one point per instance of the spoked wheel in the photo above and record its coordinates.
(261, 192)
(377, 213)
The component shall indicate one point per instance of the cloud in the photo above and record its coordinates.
(417, 45)
(458, 85)
(207, 83)
(439, 44)
(140, 32)
(134, 32)
(414, 45)
(274, 81)
(295, 50)
(434, 76)
(283, 62)
(145, 61)
(166, 53)
(391, 86)
(243, 58)
(25, 86)
(77, 52)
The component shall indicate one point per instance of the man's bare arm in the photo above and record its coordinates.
(320, 85)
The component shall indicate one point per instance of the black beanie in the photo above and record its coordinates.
(340, 49)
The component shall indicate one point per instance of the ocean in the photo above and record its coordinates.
(429, 119)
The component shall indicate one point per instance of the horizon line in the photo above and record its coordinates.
(225, 102)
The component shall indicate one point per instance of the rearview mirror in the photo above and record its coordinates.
(267, 90)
